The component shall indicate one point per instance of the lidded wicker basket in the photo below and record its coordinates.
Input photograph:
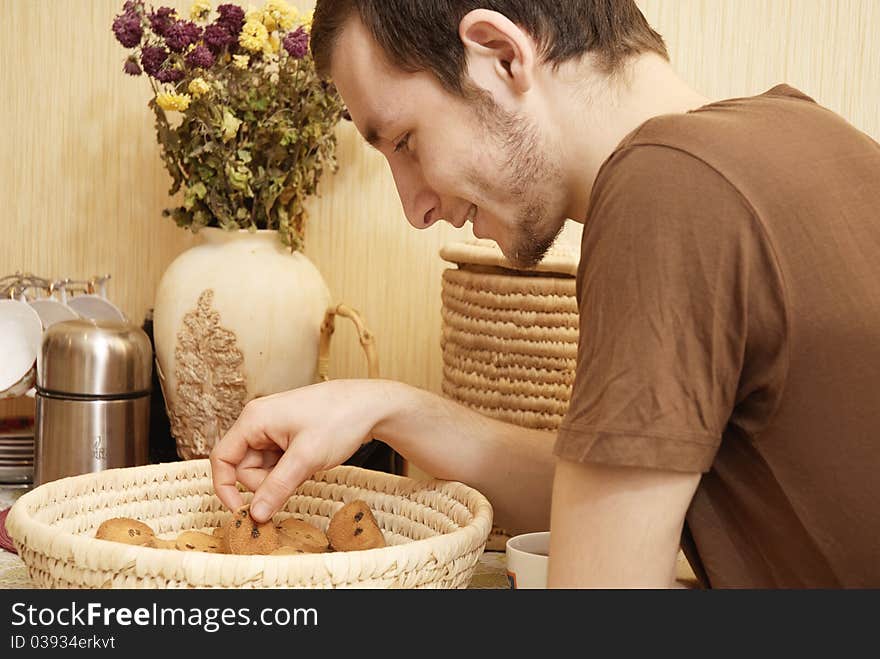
(435, 530)
(510, 336)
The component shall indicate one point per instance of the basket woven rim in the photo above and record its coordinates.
(560, 258)
(27, 531)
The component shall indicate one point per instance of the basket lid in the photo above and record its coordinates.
(561, 258)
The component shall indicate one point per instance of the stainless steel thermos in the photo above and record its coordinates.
(93, 398)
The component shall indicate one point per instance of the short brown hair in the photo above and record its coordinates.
(422, 35)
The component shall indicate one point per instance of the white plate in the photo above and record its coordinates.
(95, 307)
(52, 311)
(21, 332)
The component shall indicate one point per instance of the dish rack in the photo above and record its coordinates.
(16, 451)
(51, 300)
(25, 285)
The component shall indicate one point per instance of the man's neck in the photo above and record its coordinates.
(590, 130)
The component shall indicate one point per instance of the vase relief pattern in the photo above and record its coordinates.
(211, 384)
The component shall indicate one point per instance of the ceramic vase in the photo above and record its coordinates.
(236, 317)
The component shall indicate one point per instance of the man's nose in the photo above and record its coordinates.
(420, 203)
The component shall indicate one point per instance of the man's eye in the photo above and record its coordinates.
(402, 144)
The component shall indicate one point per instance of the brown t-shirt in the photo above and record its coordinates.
(729, 295)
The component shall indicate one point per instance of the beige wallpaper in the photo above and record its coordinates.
(83, 186)
(827, 48)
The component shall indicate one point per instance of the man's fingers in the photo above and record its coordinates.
(271, 458)
(229, 495)
(238, 444)
(254, 467)
(292, 469)
(225, 457)
(251, 477)
(223, 475)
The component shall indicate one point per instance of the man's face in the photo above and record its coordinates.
(453, 159)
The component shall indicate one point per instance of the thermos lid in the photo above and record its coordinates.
(94, 358)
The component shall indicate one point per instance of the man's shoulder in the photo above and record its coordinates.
(718, 128)
(734, 143)
(660, 179)
(731, 134)
(656, 204)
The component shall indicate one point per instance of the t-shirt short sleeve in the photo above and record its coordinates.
(679, 300)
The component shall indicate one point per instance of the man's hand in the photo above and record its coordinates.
(281, 440)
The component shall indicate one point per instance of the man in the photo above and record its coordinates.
(729, 295)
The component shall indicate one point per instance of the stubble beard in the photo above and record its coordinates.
(529, 183)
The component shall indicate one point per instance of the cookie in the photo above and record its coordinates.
(124, 529)
(161, 543)
(197, 541)
(288, 551)
(353, 528)
(218, 532)
(246, 536)
(297, 533)
(299, 547)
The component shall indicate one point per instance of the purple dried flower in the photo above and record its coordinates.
(169, 75)
(133, 6)
(131, 67)
(128, 30)
(216, 37)
(152, 59)
(181, 35)
(161, 20)
(200, 58)
(231, 18)
(296, 43)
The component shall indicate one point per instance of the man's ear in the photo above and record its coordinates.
(497, 51)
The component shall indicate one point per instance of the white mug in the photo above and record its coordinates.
(528, 556)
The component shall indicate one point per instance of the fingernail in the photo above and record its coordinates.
(260, 511)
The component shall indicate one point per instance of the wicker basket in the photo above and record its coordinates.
(435, 530)
(509, 337)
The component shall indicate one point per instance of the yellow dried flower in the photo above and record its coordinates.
(306, 21)
(254, 36)
(273, 45)
(241, 61)
(253, 14)
(230, 125)
(198, 87)
(279, 14)
(199, 9)
(171, 101)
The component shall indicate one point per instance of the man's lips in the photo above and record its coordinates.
(469, 217)
(478, 229)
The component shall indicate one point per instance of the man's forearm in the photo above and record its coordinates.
(512, 466)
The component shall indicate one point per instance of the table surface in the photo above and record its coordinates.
(12, 570)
